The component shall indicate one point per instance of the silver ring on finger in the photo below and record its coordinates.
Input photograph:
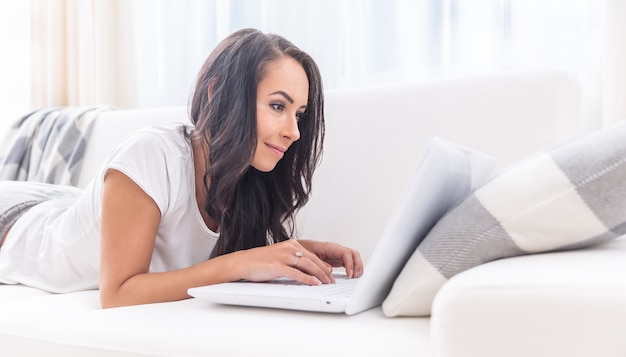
(298, 254)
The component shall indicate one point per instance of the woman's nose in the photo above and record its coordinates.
(291, 130)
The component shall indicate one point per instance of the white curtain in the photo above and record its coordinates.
(365, 42)
(615, 73)
(146, 53)
(80, 54)
(14, 60)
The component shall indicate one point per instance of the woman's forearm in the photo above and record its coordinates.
(149, 288)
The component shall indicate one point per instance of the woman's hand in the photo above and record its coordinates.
(309, 262)
(288, 259)
(337, 256)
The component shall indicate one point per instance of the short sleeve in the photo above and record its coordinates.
(145, 158)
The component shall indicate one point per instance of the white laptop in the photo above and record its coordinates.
(446, 174)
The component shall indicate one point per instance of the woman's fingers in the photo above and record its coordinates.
(308, 262)
(311, 264)
(351, 260)
(286, 259)
(356, 264)
(338, 256)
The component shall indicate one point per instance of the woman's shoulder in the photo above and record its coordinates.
(156, 158)
(157, 147)
(171, 132)
(167, 138)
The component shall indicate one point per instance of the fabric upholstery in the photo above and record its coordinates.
(570, 196)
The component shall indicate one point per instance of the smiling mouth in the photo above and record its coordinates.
(280, 152)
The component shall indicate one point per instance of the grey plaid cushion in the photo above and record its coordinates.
(571, 196)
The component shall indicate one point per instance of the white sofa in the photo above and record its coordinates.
(556, 304)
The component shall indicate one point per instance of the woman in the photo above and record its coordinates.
(186, 206)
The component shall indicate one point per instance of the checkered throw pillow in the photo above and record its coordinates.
(571, 196)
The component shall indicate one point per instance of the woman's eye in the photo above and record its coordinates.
(277, 107)
(300, 116)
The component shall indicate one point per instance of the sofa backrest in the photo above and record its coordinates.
(375, 137)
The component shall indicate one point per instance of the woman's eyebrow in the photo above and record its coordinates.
(287, 96)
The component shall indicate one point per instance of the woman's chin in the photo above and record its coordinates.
(264, 167)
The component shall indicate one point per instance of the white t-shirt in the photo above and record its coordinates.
(55, 245)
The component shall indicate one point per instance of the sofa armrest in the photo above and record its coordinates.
(555, 304)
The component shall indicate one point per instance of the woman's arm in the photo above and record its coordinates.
(130, 220)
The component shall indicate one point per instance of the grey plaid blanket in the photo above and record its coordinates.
(47, 145)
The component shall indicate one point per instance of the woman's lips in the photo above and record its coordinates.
(278, 151)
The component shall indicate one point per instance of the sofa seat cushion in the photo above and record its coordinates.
(74, 325)
(554, 304)
(12, 292)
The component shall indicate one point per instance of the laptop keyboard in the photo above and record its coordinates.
(343, 287)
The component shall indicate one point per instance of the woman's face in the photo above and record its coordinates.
(282, 97)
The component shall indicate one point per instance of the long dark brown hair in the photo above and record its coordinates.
(252, 207)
